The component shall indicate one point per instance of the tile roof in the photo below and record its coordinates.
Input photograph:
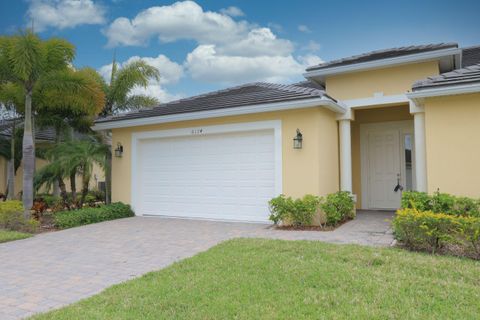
(468, 75)
(383, 54)
(470, 56)
(41, 134)
(243, 95)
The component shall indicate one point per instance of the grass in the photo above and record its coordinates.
(274, 279)
(6, 235)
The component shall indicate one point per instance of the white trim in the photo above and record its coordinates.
(404, 126)
(276, 125)
(377, 100)
(445, 91)
(345, 155)
(418, 57)
(267, 107)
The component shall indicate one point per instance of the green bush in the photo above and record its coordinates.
(12, 217)
(426, 230)
(441, 203)
(338, 207)
(297, 212)
(87, 215)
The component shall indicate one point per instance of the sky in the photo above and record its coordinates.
(200, 46)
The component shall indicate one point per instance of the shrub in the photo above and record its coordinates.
(416, 200)
(87, 215)
(298, 212)
(12, 217)
(426, 230)
(441, 203)
(338, 207)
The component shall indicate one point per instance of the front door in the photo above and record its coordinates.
(386, 163)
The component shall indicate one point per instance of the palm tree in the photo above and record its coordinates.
(119, 98)
(26, 60)
(78, 156)
(11, 99)
(69, 112)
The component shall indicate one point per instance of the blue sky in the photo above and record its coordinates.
(206, 45)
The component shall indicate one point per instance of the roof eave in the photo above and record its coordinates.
(421, 93)
(258, 108)
(320, 74)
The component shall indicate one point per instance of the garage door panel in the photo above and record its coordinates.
(223, 176)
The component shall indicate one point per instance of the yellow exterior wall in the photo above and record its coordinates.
(312, 169)
(396, 113)
(390, 81)
(40, 163)
(452, 127)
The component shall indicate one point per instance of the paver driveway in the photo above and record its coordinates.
(55, 269)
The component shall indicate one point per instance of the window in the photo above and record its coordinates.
(407, 147)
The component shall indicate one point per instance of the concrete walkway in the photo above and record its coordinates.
(55, 269)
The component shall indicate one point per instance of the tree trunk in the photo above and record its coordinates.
(56, 187)
(63, 192)
(28, 157)
(73, 186)
(108, 178)
(11, 166)
(85, 182)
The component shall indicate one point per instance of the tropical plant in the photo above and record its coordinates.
(11, 99)
(72, 156)
(120, 97)
(69, 111)
(27, 61)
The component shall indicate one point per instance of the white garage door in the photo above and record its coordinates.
(227, 176)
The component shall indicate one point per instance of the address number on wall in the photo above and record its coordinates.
(197, 131)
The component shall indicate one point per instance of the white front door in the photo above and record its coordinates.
(386, 163)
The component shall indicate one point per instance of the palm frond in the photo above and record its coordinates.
(139, 101)
(135, 73)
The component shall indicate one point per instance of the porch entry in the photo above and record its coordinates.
(387, 165)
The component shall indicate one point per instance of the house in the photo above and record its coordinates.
(43, 136)
(373, 124)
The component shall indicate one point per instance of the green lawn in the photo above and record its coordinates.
(274, 279)
(6, 235)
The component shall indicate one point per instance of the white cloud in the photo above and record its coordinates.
(312, 46)
(206, 64)
(233, 11)
(64, 13)
(170, 73)
(228, 51)
(181, 20)
(258, 42)
(304, 28)
(310, 60)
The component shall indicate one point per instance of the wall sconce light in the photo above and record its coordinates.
(297, 141)
(119, 150)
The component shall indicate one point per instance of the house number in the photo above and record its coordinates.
(197, 131)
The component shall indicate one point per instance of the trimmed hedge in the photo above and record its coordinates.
(74, 218)
(330, 211)
(426, 230)
(441, 203)
(12, 217)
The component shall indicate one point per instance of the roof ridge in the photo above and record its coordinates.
(293, 88)
(425, 47)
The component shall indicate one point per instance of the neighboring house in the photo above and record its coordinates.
(42, 136)
(408, 116)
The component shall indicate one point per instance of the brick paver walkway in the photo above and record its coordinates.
(55, 269)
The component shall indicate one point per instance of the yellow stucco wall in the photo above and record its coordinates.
(390, 81)
(452, 127)
(40, 163)
(313, 169)
(394, 113)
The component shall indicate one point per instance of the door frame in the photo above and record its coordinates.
(137, 137)
(404, 127)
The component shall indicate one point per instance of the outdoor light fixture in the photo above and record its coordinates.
(297, 141)
(119, 150)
